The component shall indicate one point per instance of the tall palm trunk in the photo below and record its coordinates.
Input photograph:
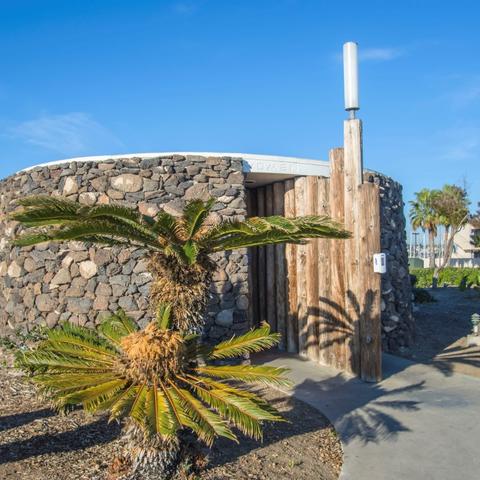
(431, 248)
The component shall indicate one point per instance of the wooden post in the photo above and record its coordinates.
(270, 265)
(362, 218)
(324, 278)
(291, 274)
(280, 270)
(353, 150)
(253, 314)
(370, 309)
(353, 179)
(335, 354)
(302, 309)
(312, 273)
(261, 263)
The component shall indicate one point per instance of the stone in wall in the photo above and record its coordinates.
(398, 324)
(51, 283)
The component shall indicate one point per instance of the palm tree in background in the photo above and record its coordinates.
(179, 249)
(451, 205)
(424, 215)
(159, 381)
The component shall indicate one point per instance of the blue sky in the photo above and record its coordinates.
(111, 76)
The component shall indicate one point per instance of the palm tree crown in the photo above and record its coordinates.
(422, 211)
(157, 378)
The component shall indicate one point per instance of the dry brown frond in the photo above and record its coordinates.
(152, 354)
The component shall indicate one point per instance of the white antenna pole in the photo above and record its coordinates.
(350, 77)
(352, 128)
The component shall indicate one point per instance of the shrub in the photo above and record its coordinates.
(420, 295)
(450, 276)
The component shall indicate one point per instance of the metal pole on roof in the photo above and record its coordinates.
(352, 126)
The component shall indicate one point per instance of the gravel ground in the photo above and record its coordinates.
(37, 444)
(441, 330)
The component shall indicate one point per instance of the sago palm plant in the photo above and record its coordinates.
(179, 248)
(159, 380)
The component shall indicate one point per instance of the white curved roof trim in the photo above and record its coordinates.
(252, 163)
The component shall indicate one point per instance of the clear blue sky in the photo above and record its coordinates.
(85, 77)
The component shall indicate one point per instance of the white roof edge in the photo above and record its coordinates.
(253, 162)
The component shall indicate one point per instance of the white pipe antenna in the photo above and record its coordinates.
(350, 77)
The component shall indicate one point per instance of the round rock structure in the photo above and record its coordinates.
(50, 283)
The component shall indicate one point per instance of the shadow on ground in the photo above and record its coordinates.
(370, 417)
(14, 421)
(441, 328)
(84, 436)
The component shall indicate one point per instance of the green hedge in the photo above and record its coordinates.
(452, 276)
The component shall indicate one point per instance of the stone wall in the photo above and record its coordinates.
(397, 318)
(50, 283)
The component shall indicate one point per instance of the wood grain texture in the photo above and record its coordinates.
(270, 266)
(335, 351)
(353, 180)
(302, 305)
(324, 279)
(312, 272)
(261, 263)
(280, 268)
(291, 274)
(369, 302)
(253, 306)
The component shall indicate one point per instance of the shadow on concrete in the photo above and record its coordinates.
(367, 415)
(360, 411)
(441, 328)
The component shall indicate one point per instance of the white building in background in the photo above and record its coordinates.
(465, 254)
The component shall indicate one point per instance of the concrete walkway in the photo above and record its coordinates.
(417, 424)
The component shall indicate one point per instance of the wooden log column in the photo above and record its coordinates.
(339, 326)
(291, 274)
(301, 263)
(261, 263)
(270, 266)
(280, 267)
(362, 303)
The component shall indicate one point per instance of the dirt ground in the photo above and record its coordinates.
(441, 330)
(37, 444)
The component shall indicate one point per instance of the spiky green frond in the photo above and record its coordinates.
(159, 415)
(117, 326)
(230, 403)
(164, 316)
(65, 382)
(248, 373)
(43, 360)
(122, 406)
(190, 252)
(89, 397)
(258, 231)
(253, 341)
(85, 230)
(112, 210)
(166, 226)
(42, 210)
(73, 339)
(209, 422)
(194, 215)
